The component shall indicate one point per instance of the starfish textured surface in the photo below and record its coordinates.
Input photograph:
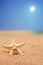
(12, 48)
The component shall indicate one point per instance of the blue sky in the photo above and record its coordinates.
(15, 15)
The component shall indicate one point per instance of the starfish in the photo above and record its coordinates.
(12, 47)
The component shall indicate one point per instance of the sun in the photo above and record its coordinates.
(32, 8)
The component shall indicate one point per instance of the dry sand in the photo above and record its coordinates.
(33, 48)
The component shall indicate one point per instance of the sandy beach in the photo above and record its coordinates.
(32, 49)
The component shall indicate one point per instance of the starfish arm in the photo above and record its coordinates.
(11, 52)
(7, 47)
(18, 45)
(19, 51)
